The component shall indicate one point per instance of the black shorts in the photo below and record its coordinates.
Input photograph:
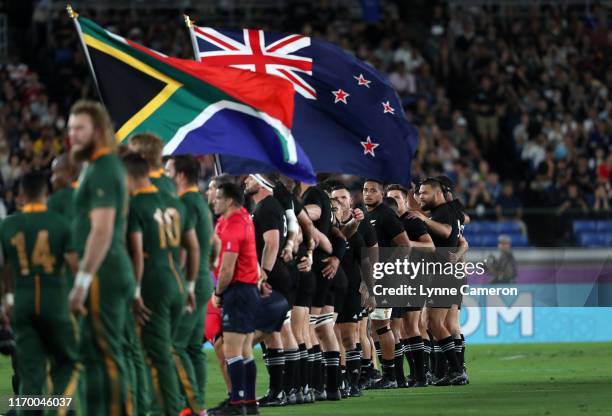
(322, 284)
(271, 313)
(447, 298)
(351, 311)
(338, 290)
(239, 308)
(305, 289)
(281, 281)
(398, 312)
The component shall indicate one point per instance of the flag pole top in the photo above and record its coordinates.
(71, 12)
(188, 21)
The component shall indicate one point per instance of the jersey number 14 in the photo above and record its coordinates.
(41, 255)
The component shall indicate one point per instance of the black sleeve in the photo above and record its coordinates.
(358, 244)
(443, 216)
(267, 218)
(313, 197)
(415, 228)
(297, 206)
(283, 196)
(391, 225)
(368, 233)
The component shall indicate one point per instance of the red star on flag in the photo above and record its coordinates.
(362, 81)
(387, 108)
(369, 146)
(340, 95)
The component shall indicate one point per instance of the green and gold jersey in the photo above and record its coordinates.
(102, 184)
(199, 215)
(162, 182)
(34, 242)
(62, 202)
(162, 220)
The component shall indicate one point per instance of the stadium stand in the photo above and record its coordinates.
(504, 96)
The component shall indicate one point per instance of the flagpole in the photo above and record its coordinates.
(74, 16)
(194, 43)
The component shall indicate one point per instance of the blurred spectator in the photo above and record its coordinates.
(507, 205)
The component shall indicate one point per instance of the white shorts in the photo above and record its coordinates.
(381, 314)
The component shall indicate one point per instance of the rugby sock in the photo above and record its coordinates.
(235, 368)
(427, 355)
(388, 369)
(409, 356)
(292, 361)
(310, 368)
(447, 345)
(332, 364)
(440, 365)
(275, 363)
(399, 364)
(417, 348)
(378, 351)
(303, 369)
(250, 370)
(458, 348)
(343, 381)
(353, 364)
(462, 358)
(317, 369)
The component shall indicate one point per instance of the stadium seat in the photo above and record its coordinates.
(489, 240)
(604, 226)
(588, 239)
(508, 227)
(580, 226)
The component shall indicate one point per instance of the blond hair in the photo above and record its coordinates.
(99, 118)
(150, 147)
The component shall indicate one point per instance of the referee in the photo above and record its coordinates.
(238, 297)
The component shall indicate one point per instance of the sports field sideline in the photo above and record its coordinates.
(537, 379)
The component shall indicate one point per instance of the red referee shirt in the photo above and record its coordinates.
(237, 235)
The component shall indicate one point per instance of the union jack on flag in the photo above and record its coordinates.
(347, 116)
(258, 51)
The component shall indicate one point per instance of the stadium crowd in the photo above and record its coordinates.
(514, 106)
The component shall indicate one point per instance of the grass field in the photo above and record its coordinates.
(542, 379)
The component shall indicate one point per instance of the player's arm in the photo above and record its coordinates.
(72, 260)
(215, 250)
(308, 230)
(351, 227)
(137, 255)
(270, 250)
(401, 240)
(438, 228)
(424, 241)
(96, 247)
(7, 290)
(99, 239)
(338, 243)
(191, 245)
(228, 264)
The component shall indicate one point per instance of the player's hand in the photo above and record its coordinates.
(416, 214)
(305, 264)
(370, 303)
(141, 312)
(358, 215)
(191, 303)
(331, 269)
(287, 253)
(76, 300)
(453, 257)
(216, 301)
(265, 290)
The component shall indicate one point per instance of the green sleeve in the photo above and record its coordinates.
(188, 216)
(134, 220)
(103, 190)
